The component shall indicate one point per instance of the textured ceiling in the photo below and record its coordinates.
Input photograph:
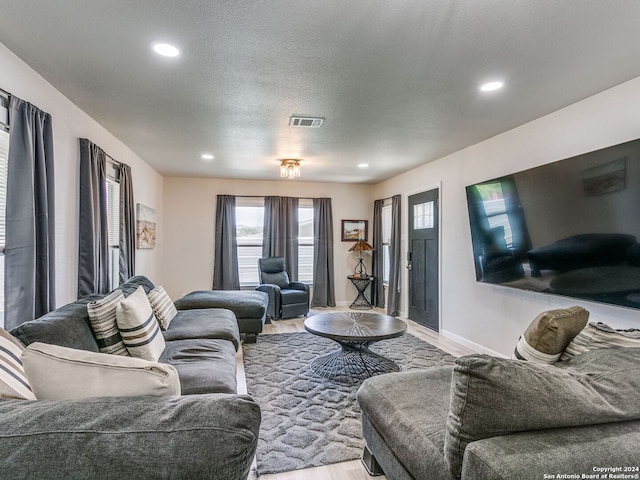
(396, 80)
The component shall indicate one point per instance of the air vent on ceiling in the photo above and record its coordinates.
(313, 122)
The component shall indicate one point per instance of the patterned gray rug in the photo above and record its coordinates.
(308, 421)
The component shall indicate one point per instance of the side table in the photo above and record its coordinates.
(361, 283)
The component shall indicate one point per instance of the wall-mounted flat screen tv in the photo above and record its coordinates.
(568, 228)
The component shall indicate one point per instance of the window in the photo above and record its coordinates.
(386, 242)
(113, 230)
(249, 233)
(495, 208)
(4, 156)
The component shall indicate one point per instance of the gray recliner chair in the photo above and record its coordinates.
(286, 299)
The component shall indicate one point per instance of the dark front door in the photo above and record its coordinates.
(423, 259)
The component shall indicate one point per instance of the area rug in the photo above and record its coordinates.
(308, 421)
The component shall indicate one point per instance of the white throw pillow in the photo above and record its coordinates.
(13, 381)
(163, 307)
(59, 373)
(102, 315)
(139, 328)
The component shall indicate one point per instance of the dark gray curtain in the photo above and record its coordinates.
(29, 287)
(127, 241)
(93, 247)
(377, 261)
(280, 236)
(225, 267)
(393, 298)
(323, 281)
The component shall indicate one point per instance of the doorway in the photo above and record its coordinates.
(423, 259)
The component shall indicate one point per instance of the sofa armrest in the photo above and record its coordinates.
(195, 436)
(576, 450)
(273, 309)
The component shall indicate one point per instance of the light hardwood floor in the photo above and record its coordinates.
(346, 470)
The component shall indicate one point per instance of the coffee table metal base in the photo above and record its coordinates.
(352, 363)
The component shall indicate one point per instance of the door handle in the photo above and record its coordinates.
(409, 266)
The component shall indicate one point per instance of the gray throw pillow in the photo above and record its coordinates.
(495, 396)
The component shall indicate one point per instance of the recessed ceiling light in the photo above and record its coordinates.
(363, 165)
(165, 49)
(491, 86)
(207, 156)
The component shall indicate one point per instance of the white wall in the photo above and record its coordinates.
(189, 219)
(490, 318)
(69, 124)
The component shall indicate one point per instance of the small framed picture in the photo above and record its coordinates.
(354, 230)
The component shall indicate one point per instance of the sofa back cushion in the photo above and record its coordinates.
(67, 326)
(494, 396)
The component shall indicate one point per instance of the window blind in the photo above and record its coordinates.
(113, 212)
(4, 155)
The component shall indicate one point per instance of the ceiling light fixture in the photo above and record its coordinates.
(165, 49)
(491, 86)
(290, 168)
(207, 156)
(363, 165)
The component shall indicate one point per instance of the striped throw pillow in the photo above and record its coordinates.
(600, 335)
(13, 381)
(139, 328)
(163, 307)
(102, 315)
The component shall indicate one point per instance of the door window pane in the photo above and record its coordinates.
(423, 216)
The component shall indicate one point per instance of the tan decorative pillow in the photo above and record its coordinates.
(59, 373)
(139, 328)
(600, 335)
(549, 334)
(13, 381)
(163, 307)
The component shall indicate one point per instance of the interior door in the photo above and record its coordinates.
(422, 261)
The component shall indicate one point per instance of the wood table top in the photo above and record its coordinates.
(355, 326)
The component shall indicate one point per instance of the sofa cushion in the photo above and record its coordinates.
(61, 373)
(280, 279)
(409, 410)
(141, 438)
(68, 326)
(600, 335)
(204, 323)
(204, 365)
(13, 380)
(138, 326)
(494, 396)
(549, 334)
(102, 315)
(163, 307)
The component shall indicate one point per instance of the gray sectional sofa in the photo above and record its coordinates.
(497, 419)
(210, 432)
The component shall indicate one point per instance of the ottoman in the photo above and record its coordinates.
(250, 307)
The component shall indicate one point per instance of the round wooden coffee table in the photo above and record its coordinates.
(355, 332)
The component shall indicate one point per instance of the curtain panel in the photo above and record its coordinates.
(225, 266)
(280, 236)
(93, 246)
(127, 240)
(323, 277)
(393, 298)
(377, 260)
(30, 223)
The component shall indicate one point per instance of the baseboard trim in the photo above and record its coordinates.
(476, 347)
